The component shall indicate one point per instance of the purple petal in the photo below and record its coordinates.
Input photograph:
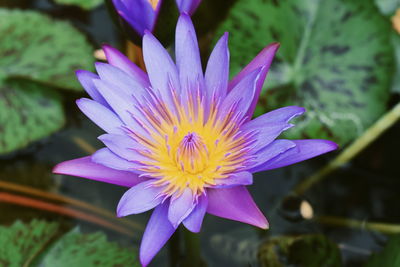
(241, 94)
(264, 135)
(280, 115)
(187, 6)
(195, 219)
(305, 149)
(180, 207)
(160, 68)
(107, 158)
(86, 79)
(102, 116)
(187, 56)
(217, 71)
(274, 149)
(157, 233)
(235, 204)
(140, 198)
(138, 13)
(120, 102)
(239, 178)
(263, 59)
(86, 168)
(119, 60)
(120, 80)
(124, 146)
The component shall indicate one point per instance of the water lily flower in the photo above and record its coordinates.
(181, 140)
(142, 14)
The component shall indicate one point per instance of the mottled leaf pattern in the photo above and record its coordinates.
(29, 112)
(20, 242)
(76, 249)
(40, 243)
(335, 60)
(36, 47)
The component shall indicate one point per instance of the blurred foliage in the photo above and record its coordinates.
(76, 249)
(85, 4)
(389, 257)
(20, 242)
(336, 60)
(28, 112)
(303, 251)
(37, 56)
(36, 47)
(40, 243)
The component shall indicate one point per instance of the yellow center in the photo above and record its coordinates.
(189, 150)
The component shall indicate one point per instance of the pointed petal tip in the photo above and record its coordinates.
(58, 168)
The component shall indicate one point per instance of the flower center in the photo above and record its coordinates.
(188, 147)
(192, 154)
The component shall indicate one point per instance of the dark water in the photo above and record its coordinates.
(366, 189)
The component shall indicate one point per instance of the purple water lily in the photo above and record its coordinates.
(183, 141)
(142, 14)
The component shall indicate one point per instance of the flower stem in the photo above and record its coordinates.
(192, 244)
(385, 228)
(370, 135)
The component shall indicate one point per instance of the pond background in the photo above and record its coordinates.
(365, 189)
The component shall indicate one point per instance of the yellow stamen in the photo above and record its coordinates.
(188, 152)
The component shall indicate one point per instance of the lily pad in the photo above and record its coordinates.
(28, 112)
(20, 242)
(76, 249)
(85, 4)
(34, 46)
(305, 250)
(40, 243)
(389, 257)
(336, 60)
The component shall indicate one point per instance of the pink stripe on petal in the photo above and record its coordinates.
(158, 231)
(235, 204)
(86, 168)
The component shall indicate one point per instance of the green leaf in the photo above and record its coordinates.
(85, 4)
(28, 112)
(40, 243)
(335, 59)
(305, 250)
(389, 257)
(20, 243)
(75, 249)
(36, 47)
